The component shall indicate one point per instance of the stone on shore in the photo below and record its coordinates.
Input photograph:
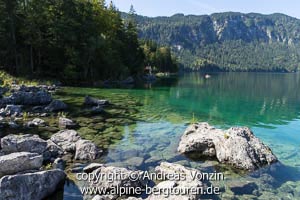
(66, 139)
(19, 162)
(65, 123)
(31, 186)
(236, 146)
(56, 105)
(86, 150)
(23, 143)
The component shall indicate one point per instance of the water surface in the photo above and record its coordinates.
(144, 125)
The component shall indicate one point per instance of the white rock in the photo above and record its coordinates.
(19, 162)
(236, 146)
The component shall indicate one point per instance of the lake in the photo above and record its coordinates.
(145, 123)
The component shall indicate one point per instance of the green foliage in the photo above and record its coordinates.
(160, 57)
(70, 40)
(228, 41)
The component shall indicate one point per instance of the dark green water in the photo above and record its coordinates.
(144, 125)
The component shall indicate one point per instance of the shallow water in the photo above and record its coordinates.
(144, 125)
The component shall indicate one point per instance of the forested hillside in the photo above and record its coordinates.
(72, 40)
(228, 41)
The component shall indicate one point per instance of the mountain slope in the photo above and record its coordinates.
(228, 41)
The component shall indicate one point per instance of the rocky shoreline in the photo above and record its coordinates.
(29, 159)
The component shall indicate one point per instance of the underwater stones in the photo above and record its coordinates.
(89, 101)
(86, 150)
(241, 188)
(134, 161)
(236, 146)
(65, 123)
(27, 143)
(19, 162)
(31, 186)
(56, 105)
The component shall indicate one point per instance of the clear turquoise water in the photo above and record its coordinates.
(267, 103)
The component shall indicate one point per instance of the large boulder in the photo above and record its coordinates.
(89, 101)
(65, 123)
(31, 186)
(236, 146)
(25, 143)
(56, 105)
(86, 150)
(19, 162)
(66, 139)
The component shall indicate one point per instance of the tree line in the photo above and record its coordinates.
(76, 40)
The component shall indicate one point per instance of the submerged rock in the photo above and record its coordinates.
(56, 105)
(31, 186)
(23, 143)
(236, 146)
(89, 101)
(19, 162)
(86, 150)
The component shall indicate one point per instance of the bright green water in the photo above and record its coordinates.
(144, 125)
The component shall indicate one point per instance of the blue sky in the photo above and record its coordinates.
(199, 7)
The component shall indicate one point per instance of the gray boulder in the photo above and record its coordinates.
(66, 139)
(66, 123)
(19, 162)
(86, 150)
(56, 105)
(236, 146)
(25, 143)
(31, 186)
